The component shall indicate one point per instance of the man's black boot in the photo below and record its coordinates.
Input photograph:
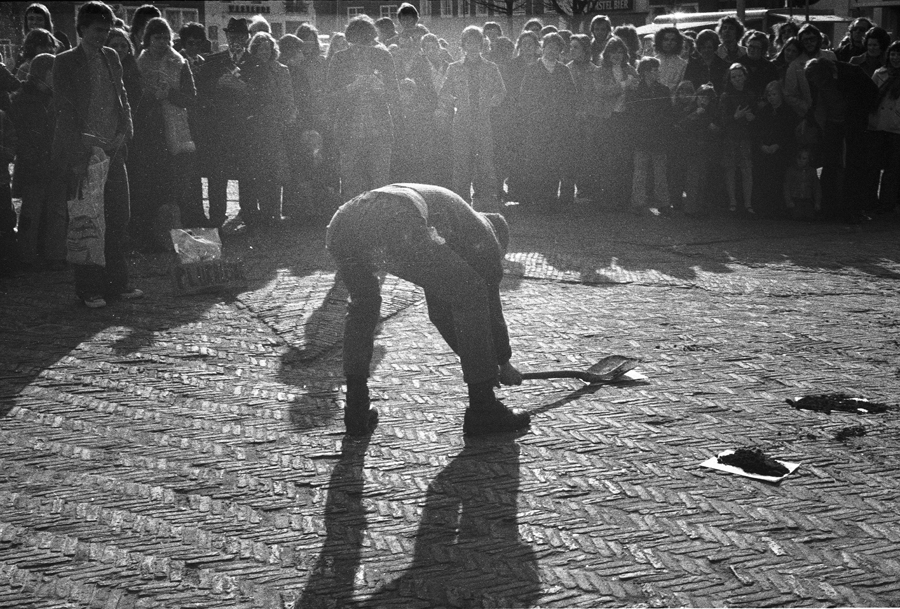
(360, 418)
(486, 414)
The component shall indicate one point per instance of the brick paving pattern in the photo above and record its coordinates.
(187, 452)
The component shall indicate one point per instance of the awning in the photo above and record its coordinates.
(875, 3)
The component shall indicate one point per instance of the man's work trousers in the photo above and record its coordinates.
(456, 294)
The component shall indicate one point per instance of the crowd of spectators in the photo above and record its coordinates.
(755, 123)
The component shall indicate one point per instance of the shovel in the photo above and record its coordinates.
(608, 370)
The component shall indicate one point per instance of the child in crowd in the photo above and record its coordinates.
(701, 131)
(42, 223)
(802, 191)
(738, 107)
(650, 110)
(775, 142)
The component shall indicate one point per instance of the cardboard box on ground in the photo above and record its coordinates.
(200, 267)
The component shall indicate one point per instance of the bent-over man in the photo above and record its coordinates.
(429, 236)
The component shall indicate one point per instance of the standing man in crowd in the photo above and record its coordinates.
(92, 111)
(796, 85)
(842, 98)
(362, 84)
(730, 31)
(854, 44)
(667, 45)
(224, 116)
(427, 235)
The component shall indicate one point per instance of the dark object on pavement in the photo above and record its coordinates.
(607, 370)
(846, 433)
(826, 402)
(754, 461)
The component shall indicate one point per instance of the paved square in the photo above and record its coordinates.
(188, 451)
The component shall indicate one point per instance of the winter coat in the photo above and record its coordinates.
(610, 90)
(271, 110)
(732, 99)
(887, 116)
(587, 88)
(72, 95)
(32, 115)
(649, 112)
(472, 116)
(547, 100)
(760, 72)
(796, 87)
(223, 115)
(698, 72)
(363, 113)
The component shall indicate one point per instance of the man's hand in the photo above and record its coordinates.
(509, 375)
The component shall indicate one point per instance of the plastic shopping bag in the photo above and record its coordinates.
(196, 244)
(85, 239)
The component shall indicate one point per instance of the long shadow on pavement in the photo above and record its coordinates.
(468, 551)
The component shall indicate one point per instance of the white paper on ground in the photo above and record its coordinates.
(713, 463)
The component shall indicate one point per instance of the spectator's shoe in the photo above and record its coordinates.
(750, 211)
(732, 208)
(360, 418)
(94, 301)
(494, 417)
(130, 294)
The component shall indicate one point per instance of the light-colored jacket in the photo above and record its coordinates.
(796, 88)
(887, 116)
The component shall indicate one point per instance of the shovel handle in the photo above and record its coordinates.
(560, 374)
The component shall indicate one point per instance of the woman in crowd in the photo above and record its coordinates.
(628, 34)
(274, 111)
(37, 16)
(782, 33)
(162, 161)
(528, 49)
(472, 89)
(337, 44)
(38, 41)
(120, 42)
(142, 15)
(790, 50)
(363, 86)
(582, 169)
(43, 218)
(436, 61)
(884, 126)
(617, 77)
(876, 42)
(314, 109)
(547, 98)
(194, 43)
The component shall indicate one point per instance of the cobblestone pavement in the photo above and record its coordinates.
(186, 452)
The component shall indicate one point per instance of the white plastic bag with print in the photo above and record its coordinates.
(86, 234)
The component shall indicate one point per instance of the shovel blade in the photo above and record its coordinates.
(610, 368)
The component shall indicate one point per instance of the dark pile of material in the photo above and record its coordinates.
(850, 432)
(826, 402)
(754, 461)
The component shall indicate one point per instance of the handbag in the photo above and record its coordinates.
(178, 130)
